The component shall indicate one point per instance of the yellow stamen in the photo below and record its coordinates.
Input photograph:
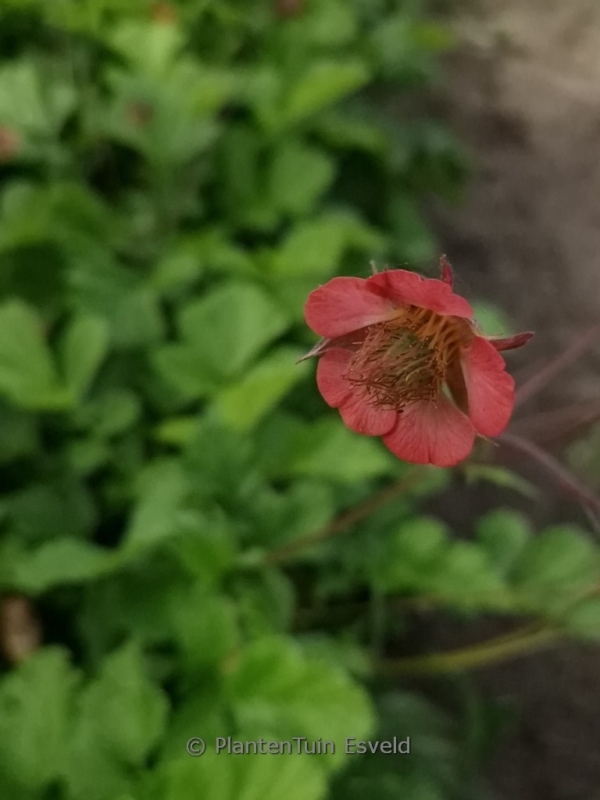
(406, 359)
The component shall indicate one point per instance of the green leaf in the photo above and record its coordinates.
(35, 102)
(413, 241)
(231, 325)
(266, 601)
(323, 84)
(202, 709)
(312, 248)
(330, 24)
(244, 404)
(466, 576)
(327, 449)
(504, 534)
(83, 348)
(136, 319)
(27, 374)
(205, 627)
(557, 568)
(109, 412)
(411, 554)
(185, 368)
(122, 716)
(206, 547)
(584, 620)
(43, 511)
(293, 777)
(273, 687)
(299, 175)
(282, 516)
(150, 47)
(157, 516)
(62, 562)
(35, 703)
(18, 433)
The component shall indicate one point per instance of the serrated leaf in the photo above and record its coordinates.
(35, 703)
(62, 562)
(273, 687)
(558, 567)
(205, 627)
(295, 777)
(122, 716)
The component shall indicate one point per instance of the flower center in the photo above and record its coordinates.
(406, 359)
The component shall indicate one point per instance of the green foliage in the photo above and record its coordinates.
(174, 179)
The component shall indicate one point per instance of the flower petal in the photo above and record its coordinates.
(408, 288)
(490, 389)
(363, 417)
(431, 432)
(333, 386)
(343, 305)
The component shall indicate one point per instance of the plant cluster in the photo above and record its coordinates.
(174, 179)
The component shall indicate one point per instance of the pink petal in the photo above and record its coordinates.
(490, 389)
(346, 304)
(330, 370)
(431, 432)
(408, 288)
(362, 417)
(511, 342)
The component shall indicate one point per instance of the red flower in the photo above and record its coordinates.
(402, 358)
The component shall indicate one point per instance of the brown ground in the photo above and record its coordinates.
(523, 92)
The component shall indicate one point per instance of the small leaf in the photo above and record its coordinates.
(293, 777)
(274, 687)
(27, 374)
(324, 83)
(157, 514)
(62, 562)
(558, 567)
(83, 349)
(122, 716)
(329, 450)
(504, 534)
(231, 325)
(35, 702)
(299, 176)
(205, 627)
(584, 620)
(244, 404)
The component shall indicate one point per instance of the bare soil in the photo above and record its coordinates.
(523, 92)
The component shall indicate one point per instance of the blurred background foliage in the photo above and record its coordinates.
(175, 178)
